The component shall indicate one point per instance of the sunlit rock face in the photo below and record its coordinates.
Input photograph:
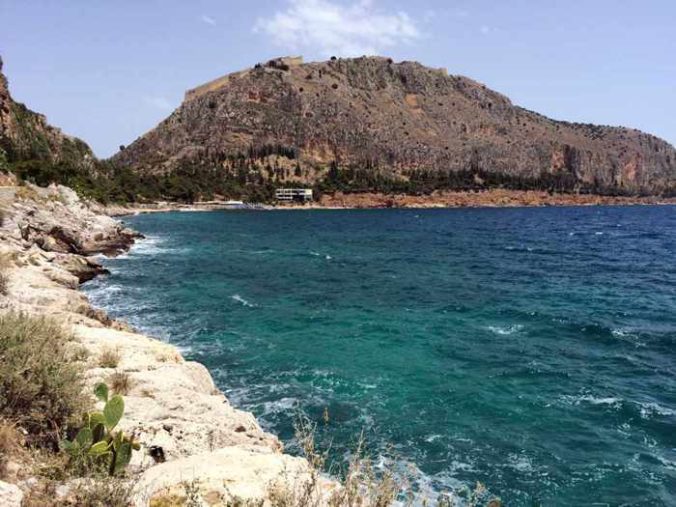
(293, 121)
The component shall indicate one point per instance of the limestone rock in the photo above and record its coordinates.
(10, 495)
(222, 476)
(172, 406)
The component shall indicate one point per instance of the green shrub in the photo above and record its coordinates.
(40, 387)
(96, 447)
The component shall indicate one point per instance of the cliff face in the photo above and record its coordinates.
(26, 136)
(295, 121)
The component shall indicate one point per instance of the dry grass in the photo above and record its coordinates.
(26, 193)
(168, 500)
(4, 283)
(361, 485)
(99, 492)
(109, 358)
(147, 393)
(40, 386)
(102, 492)
(79, 353)
(120, 382)
(42, 495)
(5, 263)
(191, 497)
(11, 442)
(167, 355)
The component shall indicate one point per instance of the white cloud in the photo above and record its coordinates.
(158, 102)
(208, 20)
(331, 28)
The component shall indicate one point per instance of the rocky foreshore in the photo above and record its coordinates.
(188, 431)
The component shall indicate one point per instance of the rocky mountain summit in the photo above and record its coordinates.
(372, 124)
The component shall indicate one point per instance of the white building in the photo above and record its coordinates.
(293, 194)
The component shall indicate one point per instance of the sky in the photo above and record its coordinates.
(108, 71)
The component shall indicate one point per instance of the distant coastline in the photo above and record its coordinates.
(494, 198)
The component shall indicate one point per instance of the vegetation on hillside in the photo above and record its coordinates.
(254, 182)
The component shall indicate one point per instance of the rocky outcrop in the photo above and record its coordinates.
(58, 221)
(190, 435)
(293, 122)
(256, 475)
(51, 236)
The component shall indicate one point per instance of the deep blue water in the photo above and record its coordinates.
(533, 350)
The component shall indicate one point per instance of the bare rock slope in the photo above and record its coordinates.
(295, 120)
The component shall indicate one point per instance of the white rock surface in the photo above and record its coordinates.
(10, 495)
(244, 472)
(172, 404)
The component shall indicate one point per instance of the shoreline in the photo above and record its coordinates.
(173, 406)
(494, 198)
(187, 428)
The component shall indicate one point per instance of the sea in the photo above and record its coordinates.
(532, 350)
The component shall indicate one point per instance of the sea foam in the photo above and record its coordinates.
(505, 330)
(241, 300)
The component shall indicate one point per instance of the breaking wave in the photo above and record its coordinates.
(242, 301)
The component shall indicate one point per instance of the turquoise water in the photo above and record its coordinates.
(533, 350)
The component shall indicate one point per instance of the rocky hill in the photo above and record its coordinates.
(37, 152)
(369, 124)
(26, 136)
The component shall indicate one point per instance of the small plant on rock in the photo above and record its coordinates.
(109, 358)
(5, 263)
(108, 492)
(4, 283)
(97, 446)
(120, 382)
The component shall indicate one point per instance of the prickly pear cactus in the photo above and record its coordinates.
(96, 443)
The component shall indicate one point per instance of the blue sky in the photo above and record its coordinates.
(108, 71)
